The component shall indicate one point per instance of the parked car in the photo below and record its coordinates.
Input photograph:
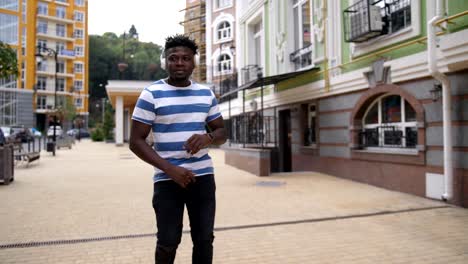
(58, 131)
(6, 131)
(35, 132)
(21, 134)
(82, 133)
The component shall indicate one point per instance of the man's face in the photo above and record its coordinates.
(180, 63)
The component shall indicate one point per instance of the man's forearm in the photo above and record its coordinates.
(219, 136)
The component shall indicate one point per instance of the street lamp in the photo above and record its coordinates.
(39, 58)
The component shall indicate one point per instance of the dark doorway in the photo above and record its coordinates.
(285, 140)
(41, 122)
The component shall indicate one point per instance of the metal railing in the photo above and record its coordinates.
(388, 137)
(302, 58)
(251, 128)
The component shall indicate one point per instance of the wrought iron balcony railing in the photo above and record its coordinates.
(389, 137)
(250, 73)
(302, 58)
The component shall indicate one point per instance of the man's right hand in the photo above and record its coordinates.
(181, 175)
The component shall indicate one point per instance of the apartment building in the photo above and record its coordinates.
(195, 27)
(50, 37)
(221, 29)
(373, 91)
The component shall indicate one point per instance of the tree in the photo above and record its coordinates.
(8, 61)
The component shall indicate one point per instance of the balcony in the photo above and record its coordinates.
(49, 35)
(302, 58)
(250, 73)
(363, 21)
(66, 20)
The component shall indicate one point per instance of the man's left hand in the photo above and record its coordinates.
(197, 142)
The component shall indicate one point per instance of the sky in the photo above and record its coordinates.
(154, 20)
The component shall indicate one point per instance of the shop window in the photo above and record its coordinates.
(389, 122)
(310, 133)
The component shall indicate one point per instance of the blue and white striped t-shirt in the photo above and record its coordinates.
(175, 114)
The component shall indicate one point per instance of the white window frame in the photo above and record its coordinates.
(41, 102)
(79, 51)
(42, 9)
(79, 2)
(61, 84)
(42, 27)
(222, 4)
(78, 67)
(60, 30)
(402, 125)
(78, 102)
(225, 32)
(358, 49)
(78, 33)
(78, 16)
(41, 83)
(78, 85)
(227, 62)
(60, 12)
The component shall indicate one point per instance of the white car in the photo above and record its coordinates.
(58, 131)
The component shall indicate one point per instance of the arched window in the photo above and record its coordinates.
(224, 63)
(223, 30)
(389, 122)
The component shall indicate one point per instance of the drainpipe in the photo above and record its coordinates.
(446, 102)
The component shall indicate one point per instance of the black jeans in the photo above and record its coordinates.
(168, 203)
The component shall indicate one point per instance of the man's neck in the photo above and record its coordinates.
(178, 83)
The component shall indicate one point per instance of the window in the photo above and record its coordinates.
(9, 4)
(59, 47)
(61, 66)
(41, 27)
(60, 12)
(60, 30)
(79, 51)
(310, 133)
(302, 56)
(41, 102)
(222, 3)
(224, 63)
(42, 9)
(398, 13)
(41, 83)
(60, 84)
(78, 102)
(23, 11)
(258, 43)
(389, 122)
(78, 16)
(42, 66)
(9, 29)
(78, 33)
(79, 2)
(42, 43)
(78, 85)
(224, 30)
(78, 67)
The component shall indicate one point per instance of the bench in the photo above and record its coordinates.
(27, 157)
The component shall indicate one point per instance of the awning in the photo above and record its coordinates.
(268, 80)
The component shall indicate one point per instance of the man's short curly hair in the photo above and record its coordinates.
(179, 40)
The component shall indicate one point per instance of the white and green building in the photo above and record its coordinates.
(370, 90)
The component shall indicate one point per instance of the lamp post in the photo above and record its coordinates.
(39, 58)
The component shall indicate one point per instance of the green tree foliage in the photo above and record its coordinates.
(106, 51)
(8, 61)
(108, 125)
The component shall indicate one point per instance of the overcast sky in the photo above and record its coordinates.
(154, 19)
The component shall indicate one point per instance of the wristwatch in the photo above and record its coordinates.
(211, 137)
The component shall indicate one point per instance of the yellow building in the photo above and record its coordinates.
(59, 75)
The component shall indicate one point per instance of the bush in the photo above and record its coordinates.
(97, 135)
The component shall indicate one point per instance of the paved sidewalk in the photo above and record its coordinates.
(92, 204)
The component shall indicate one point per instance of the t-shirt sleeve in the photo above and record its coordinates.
(214, 109)
(144, 111)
